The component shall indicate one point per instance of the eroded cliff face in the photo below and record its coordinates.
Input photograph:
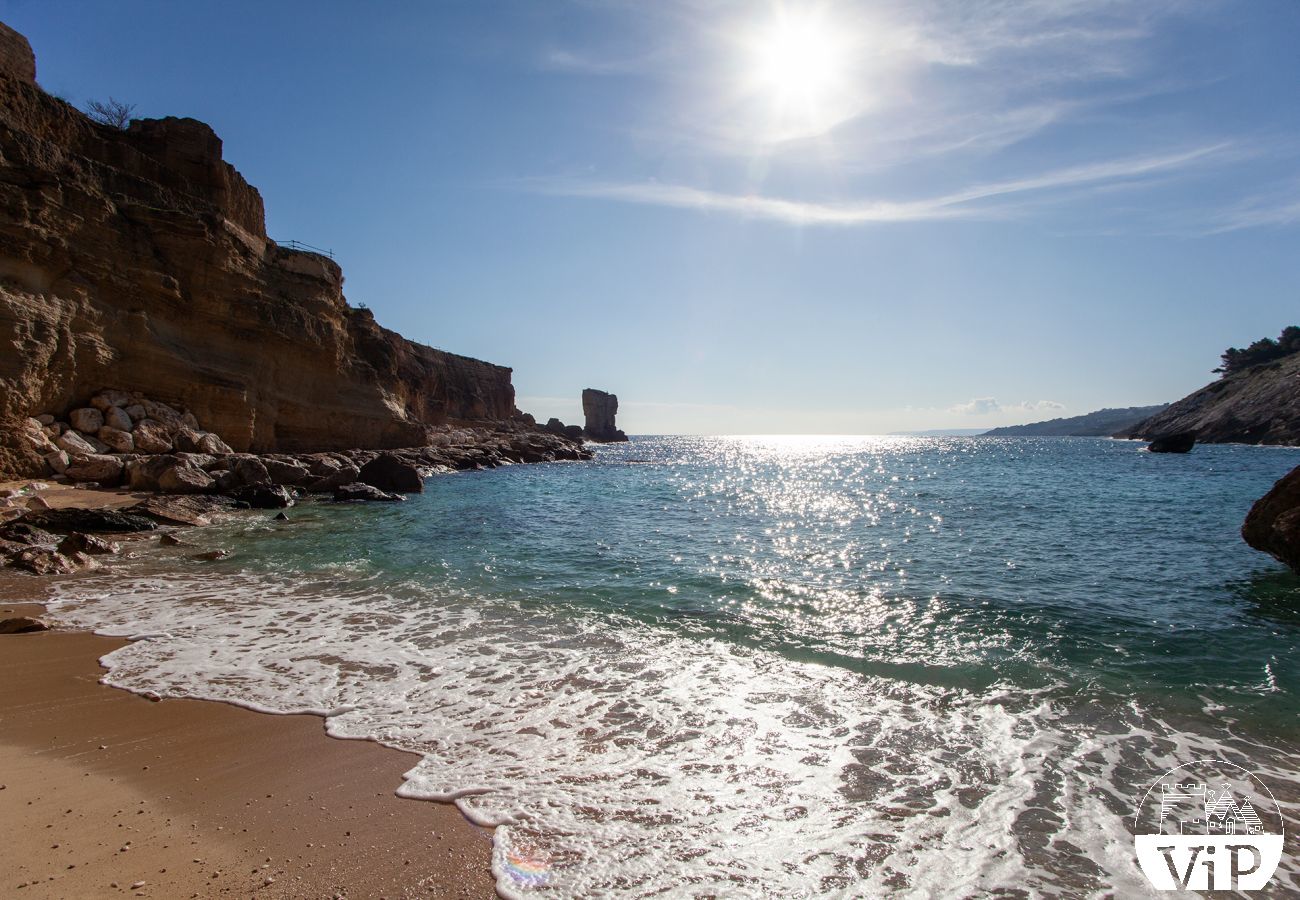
(1259, 405)
(139, 260)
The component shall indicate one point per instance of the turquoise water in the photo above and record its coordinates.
(769, 666)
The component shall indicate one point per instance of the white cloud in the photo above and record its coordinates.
(987, 406)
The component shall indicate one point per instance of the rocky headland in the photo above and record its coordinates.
(1254, 402)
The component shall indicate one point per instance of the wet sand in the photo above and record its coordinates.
(107, 794)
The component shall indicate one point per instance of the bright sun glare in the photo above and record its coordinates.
(799, 64)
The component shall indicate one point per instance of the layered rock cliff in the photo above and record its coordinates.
(1258, 405)
(138, 259)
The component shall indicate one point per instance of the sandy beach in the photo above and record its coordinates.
(104, 793)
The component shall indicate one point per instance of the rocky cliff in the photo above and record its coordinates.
(1257, 405)
(138, 259)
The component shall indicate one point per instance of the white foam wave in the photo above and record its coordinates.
(631, 761)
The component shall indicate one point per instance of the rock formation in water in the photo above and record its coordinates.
(1102, 423)
(599, 409)
(1256, 405)
(1273, 523)
(138, 259)
(1179, 442)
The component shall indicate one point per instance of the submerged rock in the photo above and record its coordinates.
(1181, 442)
(1273, 523)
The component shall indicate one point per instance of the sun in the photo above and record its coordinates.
(800, 71)
(798, 57)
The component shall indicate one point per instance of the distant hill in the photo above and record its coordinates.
(1102, 423)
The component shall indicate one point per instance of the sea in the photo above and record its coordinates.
(766, 666)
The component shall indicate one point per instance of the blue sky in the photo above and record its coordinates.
(760, 216)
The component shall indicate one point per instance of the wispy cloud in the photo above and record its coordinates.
(968, 202)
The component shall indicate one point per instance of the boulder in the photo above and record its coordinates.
(264, 496)
(45, 419)
(74, 444)
(116, 417)
(161, 412)
(186, 510)
(184, 478)
(392, 474)
(190, 441)
(118, 441)
(105, 400)
(344, 475)
(249, 470)
(1181, 442)
(87, 420)
(359, 491)
(136, 412)
(95, 521)
(58, 461)
(87, 543)
(142, 474)
(280, 472)
(151, 436)
(1273, 523)
(22, 625)
(106, 470)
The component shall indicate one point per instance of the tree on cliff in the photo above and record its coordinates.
(113, 113)
(1262, 351)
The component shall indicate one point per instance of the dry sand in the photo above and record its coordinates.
(106, 794)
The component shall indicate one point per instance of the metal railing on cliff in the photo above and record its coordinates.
(304, 248)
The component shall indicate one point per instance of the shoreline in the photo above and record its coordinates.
(207, 798)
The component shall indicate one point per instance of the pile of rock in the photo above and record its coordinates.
(99, 441)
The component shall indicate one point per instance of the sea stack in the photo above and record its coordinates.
(1273, 524)
(599, 408)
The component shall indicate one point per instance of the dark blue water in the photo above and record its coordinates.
(773, 666)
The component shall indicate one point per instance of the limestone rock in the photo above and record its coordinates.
(184, 478)
(151, 436)
(117, 440)
(58, 461)
(116, 417)
(47, 561)
(291, 474)
(26, 534)
(136, 412)
(194, 510)
(75, 444)
(106, 470)
(191, 441)
(87, 420)
(22, 624)
(45, 419)
(391, 474)
(599, 409)
(359, 491)
(106, 400)
(1273, 523)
